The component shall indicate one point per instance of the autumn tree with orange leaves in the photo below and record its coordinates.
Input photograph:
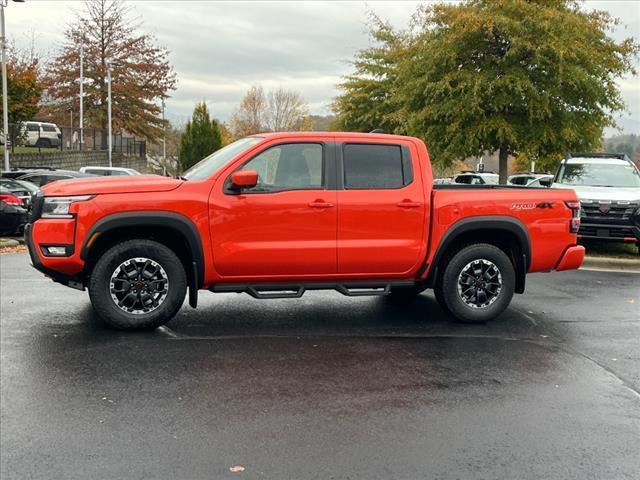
(141, 76)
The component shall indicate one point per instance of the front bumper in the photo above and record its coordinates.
(571, 259)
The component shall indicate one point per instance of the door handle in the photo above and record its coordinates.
(320, 204)
(409, 204)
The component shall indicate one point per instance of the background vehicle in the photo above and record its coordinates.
(109, 171)
(42, 177)
(18, 171)
(40, 134)
(13, 215)
(477, 178)
(530, 179)
(608, 186)
(21, 189)
(261, 216)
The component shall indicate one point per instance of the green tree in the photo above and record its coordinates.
(367, 102)
(201, 137)
(534, 78)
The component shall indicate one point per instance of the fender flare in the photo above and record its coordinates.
(493, 222)
(153, 218)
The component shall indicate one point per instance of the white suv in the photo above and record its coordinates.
(608, 186)
(40, 134)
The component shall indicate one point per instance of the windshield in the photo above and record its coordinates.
(211, 164)
(604, 174)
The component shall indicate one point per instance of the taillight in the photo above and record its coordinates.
(10, 199)
(574, 223)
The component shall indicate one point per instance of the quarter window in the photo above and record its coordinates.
(368, 166)
(292, 166)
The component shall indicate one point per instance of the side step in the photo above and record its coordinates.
(288, 290)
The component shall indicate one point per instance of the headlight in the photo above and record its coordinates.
(58, 207)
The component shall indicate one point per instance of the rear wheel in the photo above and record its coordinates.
(138, 284)
(477, 283)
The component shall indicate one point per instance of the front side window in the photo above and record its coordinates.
(369, 166)
(292, 166)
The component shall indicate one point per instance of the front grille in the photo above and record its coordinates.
(597, 211)
(611, 232)
(35, 210)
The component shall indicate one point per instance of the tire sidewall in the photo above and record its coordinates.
(99, 285)
(452, 299)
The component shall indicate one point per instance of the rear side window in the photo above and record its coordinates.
(48, 128)
(369, 166)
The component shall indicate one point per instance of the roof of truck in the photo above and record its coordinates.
(380, 136)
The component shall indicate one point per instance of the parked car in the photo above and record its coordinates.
(21, 189)
(41, 134)
(531, 179)
(42, 177)
(442, 181)
(477, 178)
(13, 215)
(109, 171)
(18, 171)
(608, 186)
(261, 216)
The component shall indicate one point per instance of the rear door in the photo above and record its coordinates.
(381, 208)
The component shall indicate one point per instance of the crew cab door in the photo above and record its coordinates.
(381, 209)
(285, 226)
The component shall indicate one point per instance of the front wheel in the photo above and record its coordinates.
(477, 283)
(138, 284)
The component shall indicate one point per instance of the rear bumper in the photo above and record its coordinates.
(571, 259)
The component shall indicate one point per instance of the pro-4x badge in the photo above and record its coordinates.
(545, 205)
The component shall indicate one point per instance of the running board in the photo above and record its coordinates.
(287, 290)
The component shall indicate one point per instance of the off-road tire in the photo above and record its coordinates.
(99, 285)
(447, 285)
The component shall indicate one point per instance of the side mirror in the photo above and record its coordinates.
(546, 182)
(244, 178)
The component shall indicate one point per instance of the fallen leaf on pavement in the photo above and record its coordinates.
(236, 469)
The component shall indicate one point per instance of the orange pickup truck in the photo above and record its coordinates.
(277, 214)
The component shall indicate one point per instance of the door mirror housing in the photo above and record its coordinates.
(244, 178)
(546, 182)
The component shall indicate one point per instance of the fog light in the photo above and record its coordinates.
(56, 251)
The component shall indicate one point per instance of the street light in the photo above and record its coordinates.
(110, 65)
(5, 106)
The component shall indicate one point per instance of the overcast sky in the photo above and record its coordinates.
(220, 49)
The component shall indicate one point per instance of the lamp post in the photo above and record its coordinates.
(164, 142)
(81, 96)
(110, 65)
(5, 103)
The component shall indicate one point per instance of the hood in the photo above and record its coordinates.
(614, 194)
(98, 185)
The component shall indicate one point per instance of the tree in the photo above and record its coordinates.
(279, 111)
(201, 137)
(367, 102)
(141, 76)
(534, 78)
(24, 89)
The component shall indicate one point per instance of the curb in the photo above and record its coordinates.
(8, 242)
(611, 263)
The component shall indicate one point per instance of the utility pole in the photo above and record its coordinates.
(164, 142)
(110, 139)
(5, 103)
(81, 95)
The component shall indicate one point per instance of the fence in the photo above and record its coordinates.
(43, 136)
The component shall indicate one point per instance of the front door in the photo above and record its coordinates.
(284, 226)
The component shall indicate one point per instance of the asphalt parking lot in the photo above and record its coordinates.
(323, 387)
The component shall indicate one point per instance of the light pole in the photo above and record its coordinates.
(164, 142)
(110, 65)
(5, 103)
(81, 95)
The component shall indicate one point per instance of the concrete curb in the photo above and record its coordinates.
(8, 242)
(611, 263)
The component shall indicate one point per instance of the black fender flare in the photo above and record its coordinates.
(153, 218)
(495, 223)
